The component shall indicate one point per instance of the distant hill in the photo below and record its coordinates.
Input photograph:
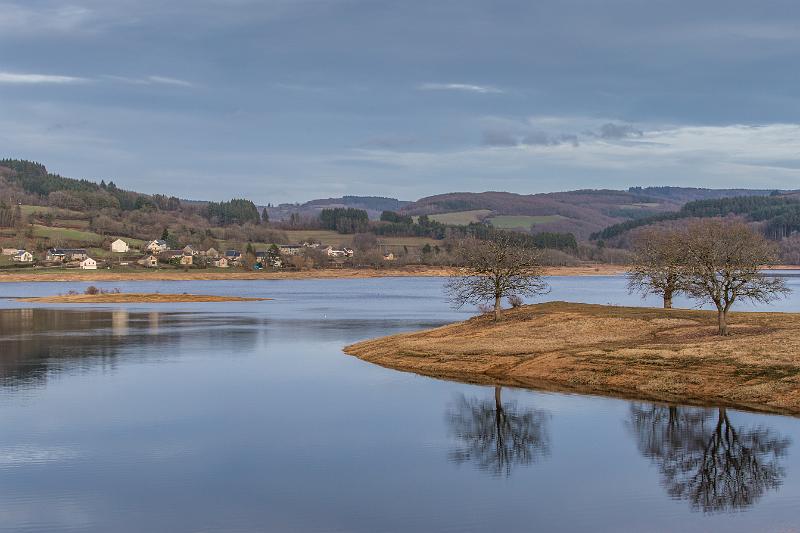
(776, 215)
(373, 205)
(581, 212)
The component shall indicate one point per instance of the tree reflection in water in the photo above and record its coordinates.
(497, 436)
(705, 459)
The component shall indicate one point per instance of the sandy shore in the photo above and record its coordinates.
(135, 298)
(641, 353)
(344, 273)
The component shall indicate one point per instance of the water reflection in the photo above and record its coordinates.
(38, 343)
(707, 460)
(497, 436)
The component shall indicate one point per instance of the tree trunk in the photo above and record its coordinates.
(722, 317)
(498, 310)
(497, 403)
(668, 299)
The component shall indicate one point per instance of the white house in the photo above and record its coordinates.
(290, 249)
(89, 264)
(344, 252)
(157, 246)
(119, 246)
(150, 261)
(22, 256)
(222, 262)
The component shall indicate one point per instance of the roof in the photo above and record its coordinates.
(232, 253)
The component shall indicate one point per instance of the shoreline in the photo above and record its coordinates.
(345, 273)
(646, 354)
(132, 297)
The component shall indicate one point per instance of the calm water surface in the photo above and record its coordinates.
(248, 417)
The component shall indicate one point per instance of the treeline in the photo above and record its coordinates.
(81, 194)
(344, 220)
(8, 215)
(781, 213)
(236, 211)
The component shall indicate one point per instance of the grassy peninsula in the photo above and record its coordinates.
(644, 353)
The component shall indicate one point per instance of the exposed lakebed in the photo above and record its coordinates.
(248, 417)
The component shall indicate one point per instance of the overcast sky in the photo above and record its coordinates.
(288, 100)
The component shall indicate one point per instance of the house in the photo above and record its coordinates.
(263, 259)
(89, 264)
(187, 259)
(222, 262)
(290, 249)
(150, 261)
(22, 256)
(157, 246)
(212, 253)
(119, 246)
(388, 256)
(10, 251)
(66, 254)
(233, 256)
(333, 252)
(188, 250)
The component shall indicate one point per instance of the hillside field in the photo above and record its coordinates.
(522, 221)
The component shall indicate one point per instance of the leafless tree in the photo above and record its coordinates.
(495, 269)
(658, 265)
(723, 263)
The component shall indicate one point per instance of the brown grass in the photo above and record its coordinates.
(642, 353)
(114, 298)
(179, 275)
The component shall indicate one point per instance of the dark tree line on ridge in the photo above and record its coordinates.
(780, 214)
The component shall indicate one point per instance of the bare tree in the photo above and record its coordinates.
(495, 269)
(658, 264)
(723, 263)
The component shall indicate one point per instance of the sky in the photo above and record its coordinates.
(289, 100)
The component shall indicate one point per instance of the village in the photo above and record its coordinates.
(157, 254)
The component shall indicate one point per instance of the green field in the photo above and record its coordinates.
(55, 211)
(65, 234)
(461, 218)
(522, 221)
(85, 237)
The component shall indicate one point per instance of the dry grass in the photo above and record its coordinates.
(639, 353)
(233, 274)
(114, 298)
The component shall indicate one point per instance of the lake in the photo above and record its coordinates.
(248, 417)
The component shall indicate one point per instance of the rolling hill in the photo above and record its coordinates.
(581, 212)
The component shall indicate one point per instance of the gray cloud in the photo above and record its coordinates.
(497, 137)
(611, 131)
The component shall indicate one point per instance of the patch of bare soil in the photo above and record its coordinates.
(110, 298)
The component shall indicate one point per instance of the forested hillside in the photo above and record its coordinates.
(57, 210)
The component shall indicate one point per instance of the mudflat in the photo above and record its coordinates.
(130, 297)
(642, 353)
(216, 274)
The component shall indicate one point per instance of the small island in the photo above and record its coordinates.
(131, 297)
(666, 355)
